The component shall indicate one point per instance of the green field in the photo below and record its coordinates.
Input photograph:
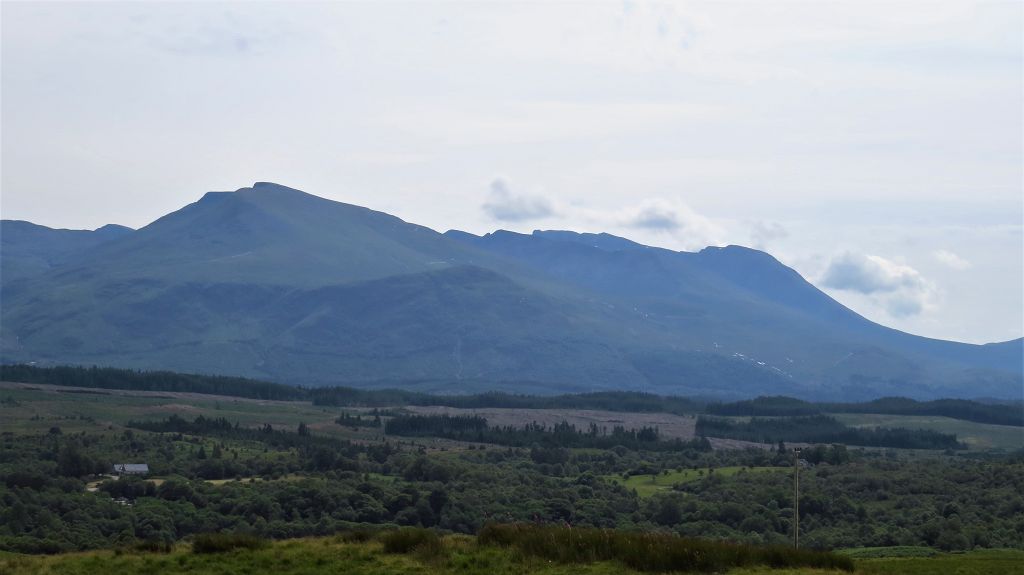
(981, 436)
(648, 485)
(459, 554)
(986, 562)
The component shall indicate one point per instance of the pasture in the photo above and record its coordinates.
(977, 436)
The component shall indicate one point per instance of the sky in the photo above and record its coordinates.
(875, 147)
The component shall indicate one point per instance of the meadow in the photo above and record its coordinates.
(977, 436)
(648, 485)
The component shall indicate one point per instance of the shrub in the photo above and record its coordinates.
(221, 542)
(407, 539)
(153, 546)
(656, 552)
(356, 536)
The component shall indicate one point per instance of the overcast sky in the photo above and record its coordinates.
(876, 147)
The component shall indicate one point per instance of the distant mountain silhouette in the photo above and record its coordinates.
(275, 283)
(29, 249)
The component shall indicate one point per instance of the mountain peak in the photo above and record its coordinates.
(257, 190)
(113, 229)
(271, 186)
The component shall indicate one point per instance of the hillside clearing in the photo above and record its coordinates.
(648, 485)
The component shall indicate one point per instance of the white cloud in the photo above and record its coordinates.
(657, 216)
(506, 206)
(688, 228)
(951, 260)
(898, 288)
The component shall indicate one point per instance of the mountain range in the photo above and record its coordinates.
(274, 283)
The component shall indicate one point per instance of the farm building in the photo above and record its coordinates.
(131, 469)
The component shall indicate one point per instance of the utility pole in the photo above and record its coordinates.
(796, 497)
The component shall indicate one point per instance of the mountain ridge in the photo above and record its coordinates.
(276, 283)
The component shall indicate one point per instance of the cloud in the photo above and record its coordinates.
(657, 216)
(951, 260)
(689, 228)
(900, 289)
(763, 233)
(868, 274)
(507, 206)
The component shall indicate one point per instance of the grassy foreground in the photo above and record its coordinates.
(415, 551)
(510, 548)
(982, 562)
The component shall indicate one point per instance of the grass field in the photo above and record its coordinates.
(648, 485)
(981, 436)
(986, 562)
(460, 554)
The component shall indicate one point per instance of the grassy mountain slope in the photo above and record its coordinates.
(275, 283)
(745, 304)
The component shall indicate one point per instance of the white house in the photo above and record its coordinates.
(131, 469)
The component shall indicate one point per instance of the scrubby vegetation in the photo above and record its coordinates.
(654, 552)
(450, 555)
(223, 542)
(211, 473)
(281, 484)
(408, 539)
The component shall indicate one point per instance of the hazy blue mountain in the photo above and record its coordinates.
(27, 249)
(275, 283)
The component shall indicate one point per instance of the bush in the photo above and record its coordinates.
(153, 546)
(356, 536)
(408, 539)
(221, 542)
(655, 552)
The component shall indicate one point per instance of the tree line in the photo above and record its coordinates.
(562, 435)
(1010, 413)
(115, 378)
(823, 429)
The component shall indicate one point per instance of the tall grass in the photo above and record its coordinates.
(656, 552)
(408, 539)
(221, 542)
